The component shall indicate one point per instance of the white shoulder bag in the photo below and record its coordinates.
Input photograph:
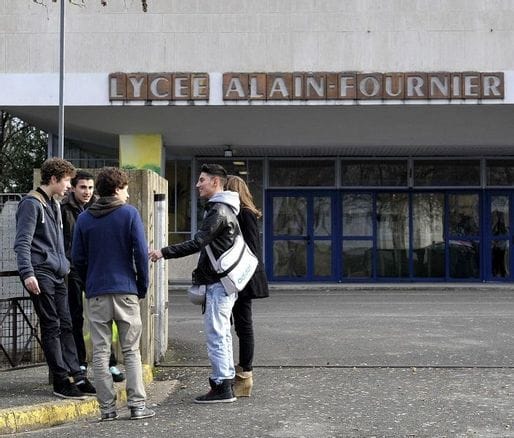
(236, 265)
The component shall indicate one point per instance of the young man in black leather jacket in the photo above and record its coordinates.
(218, 230)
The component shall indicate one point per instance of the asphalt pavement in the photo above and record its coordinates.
(344, 361)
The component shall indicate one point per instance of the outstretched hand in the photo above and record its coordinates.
(154, 254)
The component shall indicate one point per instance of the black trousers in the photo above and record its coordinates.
(76, 304)
(51, 306)
(243, 324)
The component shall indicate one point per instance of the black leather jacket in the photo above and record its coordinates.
(218, 229)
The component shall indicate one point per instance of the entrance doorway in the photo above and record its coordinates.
(300, 237)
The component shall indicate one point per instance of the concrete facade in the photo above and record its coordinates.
(270, 35)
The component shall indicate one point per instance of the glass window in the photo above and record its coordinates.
(357, 214)
(463, 214)
(500, 258)
(428, 234)
(178, 174)
(500, 172)
(464, 259)
(289, 216)
(374, 173)
(322, 216)
(357, 258)
(438, 173)
(392, 235)
(302, 173)
(289, 258)
(322, 258)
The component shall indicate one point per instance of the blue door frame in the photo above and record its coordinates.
(307, 240)
(453, 241)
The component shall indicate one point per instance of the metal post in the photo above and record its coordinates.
(60, 150)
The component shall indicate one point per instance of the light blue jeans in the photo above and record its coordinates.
(218, 308)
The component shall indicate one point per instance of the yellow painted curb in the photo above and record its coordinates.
(22, 418)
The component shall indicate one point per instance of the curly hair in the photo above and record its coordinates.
(109, 179)
(56, 167)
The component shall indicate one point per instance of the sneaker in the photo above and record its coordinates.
(109, 416)
(66, 389)
(85, 386)
(117, 375)
(141, 412)
(219, 393)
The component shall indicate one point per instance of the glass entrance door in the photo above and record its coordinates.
(499, 237)
(300, 227)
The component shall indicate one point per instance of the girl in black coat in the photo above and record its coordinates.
(257, 287)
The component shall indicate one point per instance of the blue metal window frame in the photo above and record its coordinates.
(483, 237)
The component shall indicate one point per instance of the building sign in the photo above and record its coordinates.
(158, 86)
(308, 86)
(362, 86)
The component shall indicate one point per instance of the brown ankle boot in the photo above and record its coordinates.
(243, 383)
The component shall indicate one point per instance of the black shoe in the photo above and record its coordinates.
(110, 416)
(85, 386)
(219, 393)
(117, 375)
(141, 412)
(66, 389)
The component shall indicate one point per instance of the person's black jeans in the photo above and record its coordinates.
(242, 313)
(51, 306)
(76, 305)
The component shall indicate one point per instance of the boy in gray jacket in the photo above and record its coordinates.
(42, 265)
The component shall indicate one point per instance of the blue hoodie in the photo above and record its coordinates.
(109, 249)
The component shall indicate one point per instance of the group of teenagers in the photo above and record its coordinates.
(76, 234)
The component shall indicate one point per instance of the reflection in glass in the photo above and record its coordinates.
(464, 215)
(290, 258)
(427, 234)
(356, 173)
(357, 214)
(392, 235)
(446, 173)
(323, 258)
(500, 215)
(302, 173)
(464, 258)
(357, 258)
(289, 216)
(500, 258)
(322, 216)
(500, 172)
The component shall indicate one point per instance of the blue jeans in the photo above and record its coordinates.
(218, 308)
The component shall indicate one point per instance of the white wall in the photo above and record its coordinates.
(264, 35)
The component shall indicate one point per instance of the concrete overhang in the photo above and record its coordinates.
(281, 130)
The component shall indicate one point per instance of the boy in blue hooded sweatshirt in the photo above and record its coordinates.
(218, 230)
(109, 253)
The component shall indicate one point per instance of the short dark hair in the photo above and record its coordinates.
(215, 170)
(109, 179)
(56, 167)
(81, 174)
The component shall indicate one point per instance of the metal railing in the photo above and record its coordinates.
(20, 344)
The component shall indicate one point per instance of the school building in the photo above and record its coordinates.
(376, 136)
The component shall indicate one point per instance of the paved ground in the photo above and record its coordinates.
(351, 362)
